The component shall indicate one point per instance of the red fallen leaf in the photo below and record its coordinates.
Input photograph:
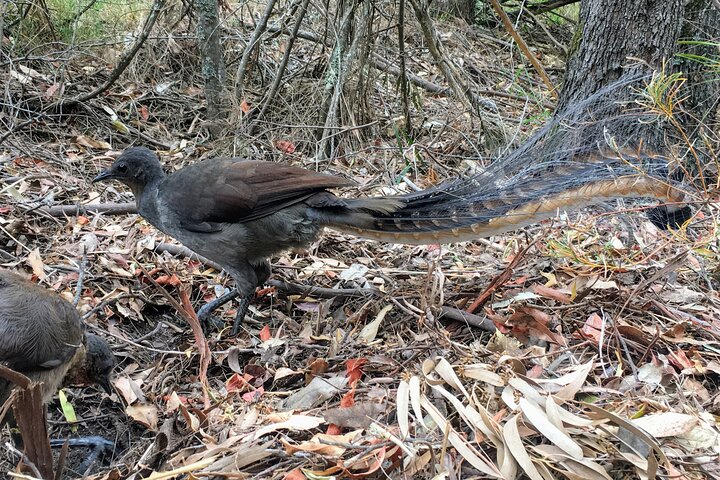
(518, 281)
(334, 429)
(168, 280)
(531, 321)
(295, 475)
(264, 291)
(82, 220)
(5, 209)
(354, 370)
(244, 106)
(253, 396)
(548, 292)
(318, 366)
(680, 360)
(536, 371)
(237, 383)
(52, 89)
(348, 400)
(592, 328)
(265, 334)
(285, 146)
(144, 113)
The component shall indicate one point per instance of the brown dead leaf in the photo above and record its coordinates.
(85, 141)
(323, 444)
(358, 416)
(551, 293)
(36, 263)
(145, 414)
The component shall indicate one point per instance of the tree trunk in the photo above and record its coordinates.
(701, 29)
(612, 36)
(211, 53)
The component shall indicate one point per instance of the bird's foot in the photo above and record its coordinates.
(204, 314)
(240, 315)
(98, 446)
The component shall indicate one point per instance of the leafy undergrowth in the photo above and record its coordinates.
(604, 362)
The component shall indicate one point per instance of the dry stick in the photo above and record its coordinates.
(403, 68)
(469, 318)
(524, 48)
(437, 50)
(320, 292)
(114, 75)
(500, 279)
(74, 210)
(551, 5)
(259, 30)
(283, 65)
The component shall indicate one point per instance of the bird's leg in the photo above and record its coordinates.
(257, 275)
(240, 315)
(204, 314)
(97, 445)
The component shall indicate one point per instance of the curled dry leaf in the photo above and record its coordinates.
(315, 393)
(463, 447)
(322, 444)
(144, 413)
(480, 371)
(36, 263)
(369, 331)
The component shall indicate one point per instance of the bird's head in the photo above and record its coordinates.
(137, 167)
(96, 368)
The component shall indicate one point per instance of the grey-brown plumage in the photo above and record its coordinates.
(42, 336)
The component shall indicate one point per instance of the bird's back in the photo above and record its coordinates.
(40, 332)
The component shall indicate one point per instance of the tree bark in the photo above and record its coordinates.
(612, 36)
(211, 53)
(701, 28)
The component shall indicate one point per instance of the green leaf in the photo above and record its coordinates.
(67, 409)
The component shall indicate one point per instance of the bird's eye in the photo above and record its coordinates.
(122, 168)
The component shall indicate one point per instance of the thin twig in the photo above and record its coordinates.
(524, 47)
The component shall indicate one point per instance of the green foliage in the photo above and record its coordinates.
(71, 21)
(710, 62)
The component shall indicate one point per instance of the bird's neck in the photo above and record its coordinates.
(146, 193)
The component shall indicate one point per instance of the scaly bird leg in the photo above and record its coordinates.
(97, 445)
(240, 315)
(204, 314)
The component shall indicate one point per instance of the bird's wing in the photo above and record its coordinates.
(218, 191)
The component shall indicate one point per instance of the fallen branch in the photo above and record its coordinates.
(321, 292)
(469, 318)
(74, 210)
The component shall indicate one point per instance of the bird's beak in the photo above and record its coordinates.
(104, 175)
(105, 384)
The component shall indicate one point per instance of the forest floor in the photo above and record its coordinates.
(594, 351)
